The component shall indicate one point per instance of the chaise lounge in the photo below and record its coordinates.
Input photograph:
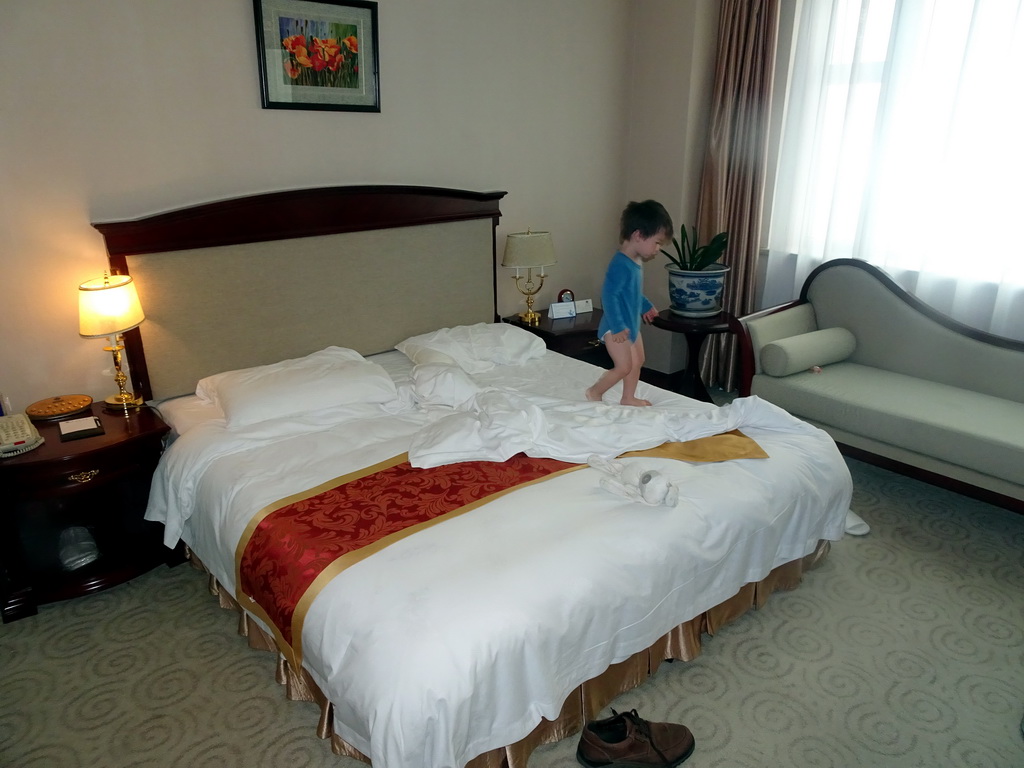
(894, 382)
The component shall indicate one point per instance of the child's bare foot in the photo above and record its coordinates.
(634, 401)
(592, 396)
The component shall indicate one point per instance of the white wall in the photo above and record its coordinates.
(122, 108)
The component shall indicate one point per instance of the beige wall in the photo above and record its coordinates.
(121, 108)
(668, 106)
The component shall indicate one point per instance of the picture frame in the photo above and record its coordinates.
(319, 55)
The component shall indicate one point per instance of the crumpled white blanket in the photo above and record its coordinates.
(497, 424)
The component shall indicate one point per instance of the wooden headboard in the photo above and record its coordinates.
(254, 280)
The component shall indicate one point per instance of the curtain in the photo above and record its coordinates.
(901, 146)
(732, 181)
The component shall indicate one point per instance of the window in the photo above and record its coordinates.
(901, 146)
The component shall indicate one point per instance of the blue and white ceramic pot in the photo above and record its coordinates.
(696, 294)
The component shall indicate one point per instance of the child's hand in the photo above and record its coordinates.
(650, 314)
(620, 337)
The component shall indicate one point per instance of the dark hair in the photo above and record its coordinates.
(649, 217)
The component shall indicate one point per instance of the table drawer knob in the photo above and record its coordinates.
(84, 477)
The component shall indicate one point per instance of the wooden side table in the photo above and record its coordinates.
(99, 484)
(572, 336)
(696, 329)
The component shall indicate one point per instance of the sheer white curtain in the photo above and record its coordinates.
(903, 145)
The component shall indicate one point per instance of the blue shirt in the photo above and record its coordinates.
(622, 298)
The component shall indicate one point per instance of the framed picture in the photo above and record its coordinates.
(318, 55)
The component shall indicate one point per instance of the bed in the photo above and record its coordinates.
(393, 488)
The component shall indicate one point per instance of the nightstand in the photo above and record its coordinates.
(696, 329)
(572, 336)
(99, 484)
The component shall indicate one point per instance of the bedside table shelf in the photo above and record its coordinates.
(97, 483)
(572, 336)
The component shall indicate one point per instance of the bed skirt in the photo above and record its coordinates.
(682, 643)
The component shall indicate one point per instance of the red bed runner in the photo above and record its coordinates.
(291, 544)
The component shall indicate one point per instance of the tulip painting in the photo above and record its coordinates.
(320, 53)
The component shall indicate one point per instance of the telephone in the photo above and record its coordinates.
(18, 435)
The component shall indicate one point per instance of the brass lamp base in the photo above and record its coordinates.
(530, 317)
(128, 400)
(124, 401)
(529, 290)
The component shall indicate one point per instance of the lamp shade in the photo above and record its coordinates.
(529, 249)
(108, 305)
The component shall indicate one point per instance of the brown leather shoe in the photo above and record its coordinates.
(626, 740)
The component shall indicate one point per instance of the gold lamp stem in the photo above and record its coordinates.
(529, 289)
(123, 398)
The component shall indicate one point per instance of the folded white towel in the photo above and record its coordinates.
(855, 525)
(633, 482)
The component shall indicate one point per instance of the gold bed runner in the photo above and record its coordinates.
(724, 447)
(292, 548)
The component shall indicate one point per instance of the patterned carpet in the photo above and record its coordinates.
(906, 648)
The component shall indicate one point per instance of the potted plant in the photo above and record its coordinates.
(695, 277)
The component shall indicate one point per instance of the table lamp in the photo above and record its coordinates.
(109, 306)
(529, 250)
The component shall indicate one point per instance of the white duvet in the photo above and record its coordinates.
(459, 639)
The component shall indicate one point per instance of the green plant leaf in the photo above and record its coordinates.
(690, 256)
(678, 258)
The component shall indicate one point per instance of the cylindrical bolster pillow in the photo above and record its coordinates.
(798, 353)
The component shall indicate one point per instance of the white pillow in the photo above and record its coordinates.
(184, 412)
(331, 377)
(440, 384)
(799, 353)
(474, 348)
(421, 354)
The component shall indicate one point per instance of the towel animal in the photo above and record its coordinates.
(629, 480)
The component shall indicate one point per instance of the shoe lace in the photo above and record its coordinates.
(644, 728)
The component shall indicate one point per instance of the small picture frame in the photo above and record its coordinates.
(318, 55)
(566, 295)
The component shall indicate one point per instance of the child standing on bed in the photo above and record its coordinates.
(643, 229)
